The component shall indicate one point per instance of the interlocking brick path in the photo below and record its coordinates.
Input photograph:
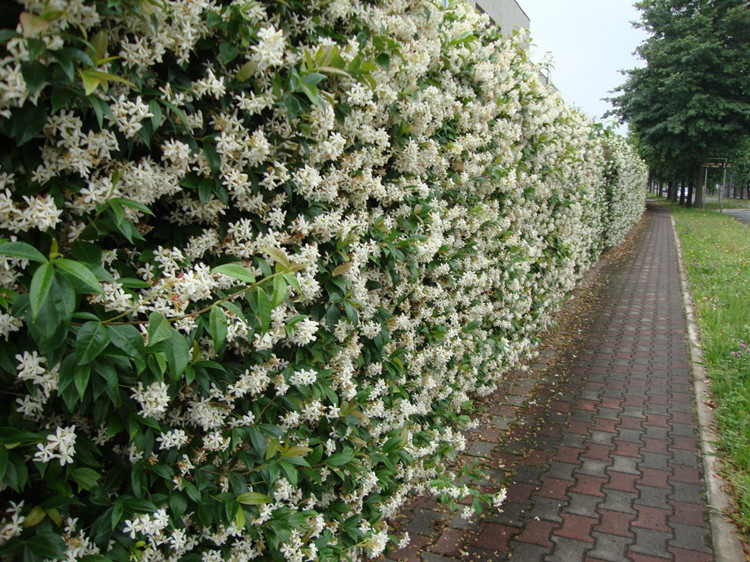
(599, 447)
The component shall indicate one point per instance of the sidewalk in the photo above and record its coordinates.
(598, 445)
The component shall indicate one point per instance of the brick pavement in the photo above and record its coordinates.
(602, 459)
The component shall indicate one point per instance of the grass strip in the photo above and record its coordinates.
(716, 251)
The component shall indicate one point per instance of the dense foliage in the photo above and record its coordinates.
(259, 256)
(691, 101)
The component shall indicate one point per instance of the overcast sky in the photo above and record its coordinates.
(590, 42)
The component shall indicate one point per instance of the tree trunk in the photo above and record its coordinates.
(689, 198)
(699, 188)
(682, 192)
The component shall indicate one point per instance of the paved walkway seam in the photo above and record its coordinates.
(727, 546)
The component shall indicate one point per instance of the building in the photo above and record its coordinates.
(506, 14)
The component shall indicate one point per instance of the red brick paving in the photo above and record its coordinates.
(609, 408)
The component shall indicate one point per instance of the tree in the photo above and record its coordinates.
(692, 99)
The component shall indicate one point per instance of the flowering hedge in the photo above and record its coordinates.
(259, 256)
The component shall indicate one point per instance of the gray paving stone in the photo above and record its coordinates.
(688, 493)
(652, 496)
(653, 432)
(561, 470)
(653, 543)
(617, 500)
(432, 557)
(627, 465)
(601, 437)
(583, 504)
(691, 537)
(568, 550)
(610, 547)
(593, 467)
(656, 461)
(630, 435)
(525, 551)
(547, 509)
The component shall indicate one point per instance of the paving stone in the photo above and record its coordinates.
(525, 551)
(691, 537)
(568, 550)
(424, 521)
(650, 542)
(593, 467)
(619, 501)
(690, 493)
(561, 470)
(597, 443)
(609, 547)
(547, 509)
(583, 504)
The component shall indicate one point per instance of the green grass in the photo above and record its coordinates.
(716, 250)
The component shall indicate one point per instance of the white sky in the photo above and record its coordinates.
(590, 42)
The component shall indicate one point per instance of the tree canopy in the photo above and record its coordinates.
(692, 99)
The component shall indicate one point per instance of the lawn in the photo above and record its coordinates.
(716, 250)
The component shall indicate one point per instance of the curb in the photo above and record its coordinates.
(727, 546)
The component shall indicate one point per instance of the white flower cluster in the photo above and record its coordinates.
(434, 209)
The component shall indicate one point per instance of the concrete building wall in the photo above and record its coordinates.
(507, 14)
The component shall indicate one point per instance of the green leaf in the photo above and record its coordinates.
(86, 478)
(128, 339)
(340, 459)
(3, 460)
(279, 291)
(264, 310)
(253, 498)
(122, 202)
(34, 74)
(80, 272)
(227, 52)
(217, 325)
(235, 270)
(41, 283)
(21, 250)
(92, 339)
(63, 297)
(34, 517)
(47, 545)
(239, 518)
(159, 328)
(212, 157)
(384, 61)
(92, 78)
(26, 123)
(81, 377)
(278, 256)
(178, 354)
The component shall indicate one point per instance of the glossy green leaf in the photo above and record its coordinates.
(63, 297)
(92, 339)
(128, 339)
(217, 322)
(253, 498)
(236, 271)
(47, 545)
(21, 250)
(279, 291)
(80, 272)
(86, 478)
(264, 310)
(81, 377)
(41, 283)
(178, 354)
(159, 328)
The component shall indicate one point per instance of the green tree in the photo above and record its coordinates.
(692, 99)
